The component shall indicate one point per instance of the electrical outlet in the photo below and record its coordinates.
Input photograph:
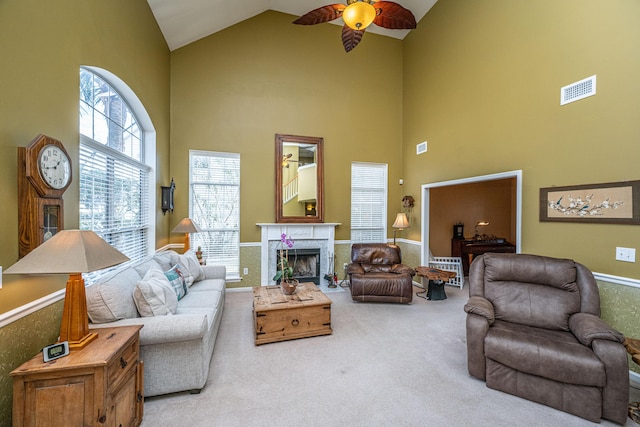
(626, 254)
(245, 271)
(344, 266)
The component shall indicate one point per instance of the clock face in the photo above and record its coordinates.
(54, 166)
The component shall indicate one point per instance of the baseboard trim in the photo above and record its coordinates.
(634, 379)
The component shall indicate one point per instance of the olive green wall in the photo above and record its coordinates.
(482, 85)
(479, 80)
(42, 46)
(234, 90)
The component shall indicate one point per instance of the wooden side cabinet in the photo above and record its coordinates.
(100, 385)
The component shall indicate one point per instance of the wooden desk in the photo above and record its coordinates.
(468, 249)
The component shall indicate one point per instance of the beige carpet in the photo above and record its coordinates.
(384, 365)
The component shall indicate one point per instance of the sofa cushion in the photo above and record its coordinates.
(176, 279)
(145, 265)
(555, 355)
(111, 298)
(209, 299)
(190, 261)
(208, 285)
(154, 295)
(377, 268)
(186, 275)
(532, 290)
(166, 259)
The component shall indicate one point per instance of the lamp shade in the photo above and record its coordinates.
(401, 221)
(72, 252)
(359, 15)
(69, 251)
(186, 226)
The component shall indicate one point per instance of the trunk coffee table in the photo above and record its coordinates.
(280, 317)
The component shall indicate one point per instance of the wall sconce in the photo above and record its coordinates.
(167, 197)
(400, 224)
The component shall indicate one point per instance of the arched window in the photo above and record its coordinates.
(116, 192)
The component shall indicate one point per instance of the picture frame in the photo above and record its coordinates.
(606, 203)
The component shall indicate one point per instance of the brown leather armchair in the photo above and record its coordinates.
(376, 273)
(534, 331)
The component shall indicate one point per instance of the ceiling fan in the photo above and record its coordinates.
(358, 15)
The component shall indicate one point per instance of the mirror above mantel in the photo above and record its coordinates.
(299, 179)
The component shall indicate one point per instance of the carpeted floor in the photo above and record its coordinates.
(384, 365)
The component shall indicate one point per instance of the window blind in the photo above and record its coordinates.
(215, 207)
(114, 198)
(368, 202)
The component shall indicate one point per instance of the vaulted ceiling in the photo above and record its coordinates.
(185, 21)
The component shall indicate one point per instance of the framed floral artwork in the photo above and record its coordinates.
(609, 203)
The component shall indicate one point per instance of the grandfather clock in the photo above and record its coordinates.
(44, 173)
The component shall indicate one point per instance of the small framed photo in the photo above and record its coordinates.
(609, 203)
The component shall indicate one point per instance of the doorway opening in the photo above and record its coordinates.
(514, 178)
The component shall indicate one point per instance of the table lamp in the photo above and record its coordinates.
(71, 252)
(400, 224)
(480, 224)
(186, 226)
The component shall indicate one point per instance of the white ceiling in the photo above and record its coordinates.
(185, 21)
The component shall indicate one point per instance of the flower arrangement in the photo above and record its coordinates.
(285, 271)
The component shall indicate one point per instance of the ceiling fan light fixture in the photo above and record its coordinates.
(359, 15)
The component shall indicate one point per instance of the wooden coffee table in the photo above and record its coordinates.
(280, 317)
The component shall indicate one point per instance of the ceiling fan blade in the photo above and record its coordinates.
(393, 16)
(321, 14)
(351, 37)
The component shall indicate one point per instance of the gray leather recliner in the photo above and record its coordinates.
(534, 331)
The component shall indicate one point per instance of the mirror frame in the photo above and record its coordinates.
(319, 143)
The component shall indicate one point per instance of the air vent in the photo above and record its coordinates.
(578, 90)
(421, 148)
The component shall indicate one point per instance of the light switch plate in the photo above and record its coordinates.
(626, 254)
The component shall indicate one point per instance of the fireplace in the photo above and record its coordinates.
(306, 236)
(305, 263)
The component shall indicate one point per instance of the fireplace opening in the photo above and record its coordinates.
(305, 263)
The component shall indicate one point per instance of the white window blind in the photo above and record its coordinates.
(114, 182)
(215, 207)
(368, 202)
(113, 199)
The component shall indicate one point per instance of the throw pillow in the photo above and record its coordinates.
(186, 274)
(190, 261)
(154, 295)
(177, 281)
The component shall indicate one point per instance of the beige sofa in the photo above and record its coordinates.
(178, 336)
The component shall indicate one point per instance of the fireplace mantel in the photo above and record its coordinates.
(304, 234)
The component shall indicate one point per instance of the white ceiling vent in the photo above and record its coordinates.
(578, 90)
(421, 148)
